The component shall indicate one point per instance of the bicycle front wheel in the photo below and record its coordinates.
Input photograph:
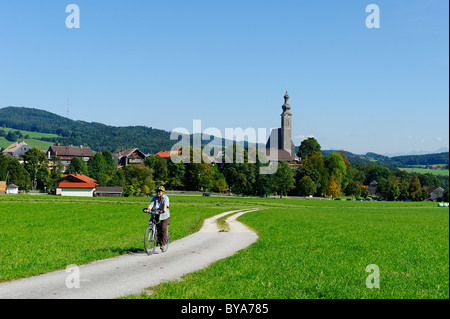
(150, 240)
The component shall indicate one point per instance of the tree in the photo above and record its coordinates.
(389, 188)
(56, 172)
(77, 166)
(306, 186)
(283, 179)
(333, 187)
(403, 187)
(375, 173)
(315, 168)
(36, 165)
(446, 194)
(97, 169)
(160, 168)
(263, 183)
(336, 166)
(199, 177)
(18, 174)
(136, 179)
(353, 189)
(110, 163)
(415, 189)
(364, 192)
(176, 175)
(307, 147)
(220, 184)
(11, 136)
(239, 174)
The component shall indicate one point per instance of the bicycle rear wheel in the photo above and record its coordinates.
(150, 240)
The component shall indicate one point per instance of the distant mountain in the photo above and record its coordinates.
(441, 150)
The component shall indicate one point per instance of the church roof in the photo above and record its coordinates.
(276, 155)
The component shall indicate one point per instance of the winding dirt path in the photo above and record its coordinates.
(131, 274)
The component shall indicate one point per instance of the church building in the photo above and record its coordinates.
(280, 147)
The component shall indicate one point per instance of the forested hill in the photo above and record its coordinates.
(99, 137)
(397, 161)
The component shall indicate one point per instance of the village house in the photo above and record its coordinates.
(124, 157)
(66, 153)
(76, 185)
(12, 189)
(373, 188)
(17, 150)
(435, 193)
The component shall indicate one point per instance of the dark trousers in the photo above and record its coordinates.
(162, 231)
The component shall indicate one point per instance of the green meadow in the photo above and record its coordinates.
(32, 140)
(306, 248)
(443, 172)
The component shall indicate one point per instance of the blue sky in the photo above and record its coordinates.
(164, 64)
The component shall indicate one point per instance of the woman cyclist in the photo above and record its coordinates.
(161, 204)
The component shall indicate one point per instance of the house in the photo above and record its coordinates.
(17, 150)
(66, 153)
(372, 188)
(12, 189)
(3, 187)
(102, 191)
(76, 185)
(435, 193)
(124, 157)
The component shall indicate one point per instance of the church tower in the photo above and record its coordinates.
(280, 138)
(286, 125)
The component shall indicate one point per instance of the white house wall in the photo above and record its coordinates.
(79, 192)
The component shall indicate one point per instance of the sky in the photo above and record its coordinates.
(164, 64)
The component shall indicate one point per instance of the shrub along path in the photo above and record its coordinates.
(131, 274)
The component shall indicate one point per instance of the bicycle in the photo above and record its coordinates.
(151, 237)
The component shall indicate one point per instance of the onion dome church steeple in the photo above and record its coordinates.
(286, 105)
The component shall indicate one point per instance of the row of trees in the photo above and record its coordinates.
(333, 175)
(316, 175)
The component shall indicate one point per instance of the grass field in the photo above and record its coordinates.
(306, 248)
(443, 172)
(32, 140)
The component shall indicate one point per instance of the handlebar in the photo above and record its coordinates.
(146, 211)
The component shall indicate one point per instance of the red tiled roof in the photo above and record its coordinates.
(76, 181)
(76, 185)
(166, 154)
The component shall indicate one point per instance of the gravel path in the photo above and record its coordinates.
(131, 274)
